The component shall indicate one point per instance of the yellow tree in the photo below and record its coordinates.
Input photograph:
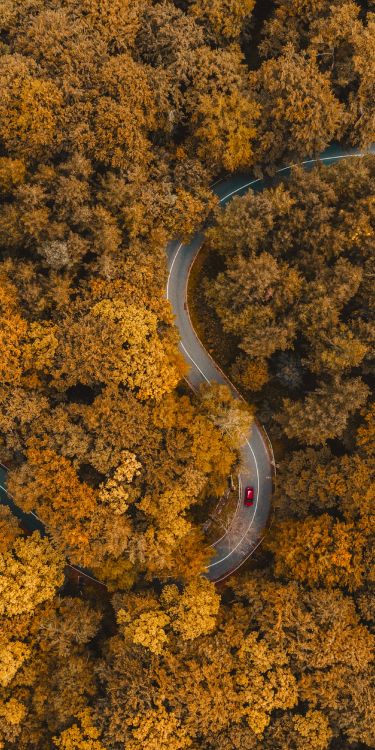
(192, 613)
(206, 424)
(83, 735)
(31, 109)
(167, 532)
(146, 628)
(116, 493)
(9, 528)
(232, 417)
(250, 374)
(346, 697)
(117, 343)
(13, 330)
(300, 731)
(12, 711)
(225, 129)
(48, 484)
(124, 114)
(320, 551)
(300, 114)
(297, 22)
(12, 174)
(225, 17)
(361, 102)
(117, 21)
(366, 432)
(40, 346)
(28, 347)
(30, 574)
(326, 410)
(312, 730)
(157, 729)
(13, 654)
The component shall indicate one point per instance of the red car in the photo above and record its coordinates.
(249, 496)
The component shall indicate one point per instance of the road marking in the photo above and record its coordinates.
(242, 187)
(86, 575)
(285, 169)
(171, 268)
(233, 570)
(247, 184)
(194, 363)
(216, 562)
(225, 197)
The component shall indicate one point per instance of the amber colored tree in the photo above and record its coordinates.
(48, 484)
(138, 357)
(193, 613)
(224, 17)
(326, 410)
(300, 114)
(365, 434)
(81, 736)
(226, 129)
(12, 174)
(117, 22)
(30, 110)
(361, 108)
(31, 572)
(320, 551)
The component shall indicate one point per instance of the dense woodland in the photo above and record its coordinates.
(115, 118)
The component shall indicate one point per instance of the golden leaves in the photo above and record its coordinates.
(30, 110)
(226, 128)
(117, 343)
(30, 574)
(225, 17)
(82, 736)
(12, 655)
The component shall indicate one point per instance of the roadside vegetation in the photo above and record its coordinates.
(115, 118)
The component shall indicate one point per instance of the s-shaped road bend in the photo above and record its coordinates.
(247, 527)
(257, 465)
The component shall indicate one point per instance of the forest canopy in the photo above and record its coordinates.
(116, 116)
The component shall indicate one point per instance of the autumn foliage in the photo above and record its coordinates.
(115, 118)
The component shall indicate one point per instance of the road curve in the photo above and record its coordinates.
(248, 525)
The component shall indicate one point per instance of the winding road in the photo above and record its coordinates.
(248, 524)
(245, 531)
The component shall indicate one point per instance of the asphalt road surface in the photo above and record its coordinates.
(248, 525)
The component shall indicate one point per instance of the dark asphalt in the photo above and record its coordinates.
(257, 466)
(248, 525)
